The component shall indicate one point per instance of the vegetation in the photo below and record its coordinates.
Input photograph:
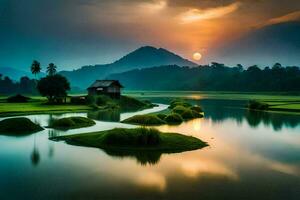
(18, 99)
(51, 69)
(173, 118)
(138, 139)
(148, 119)
(18, 126)
(256, 105)
(179, 110)
(125, 103)
(161, 116)
(24, 86)
(214, 77)
(38, 106)
(53, 87)
(197, 108)
(71, 123)
(35, 68)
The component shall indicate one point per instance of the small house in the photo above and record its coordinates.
(111, 88)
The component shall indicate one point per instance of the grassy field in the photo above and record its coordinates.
(267, 96)
(282, 102)
(7, 109)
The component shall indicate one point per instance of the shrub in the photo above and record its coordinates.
(255, 105)
(80, 100)
(197, 108)
(175, 103)
(19, 125)
(102, 100)
(173, 118)
(71, 122)
(179, 109)
(138, 137)
(64, 122)
(144, 120)
(188, 114)
(161, 116)
(196, 114)
(18, 99)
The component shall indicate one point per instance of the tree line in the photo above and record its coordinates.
(53, 86)
(25, 85)
(214, 77)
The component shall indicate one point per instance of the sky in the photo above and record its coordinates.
(73, 33)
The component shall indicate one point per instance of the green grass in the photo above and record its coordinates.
(178, 111)
(11, 109)
(138, 139)
(173, 118)
(287, 102)
(148, 119)
(18, 126)
(280, 96)
(71, 123)
(125, 103)
(37, 105)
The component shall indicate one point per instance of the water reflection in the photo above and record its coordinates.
(35, 155)
(142, 157)
(251, 156)
(221, 110)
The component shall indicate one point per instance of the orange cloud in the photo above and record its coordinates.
(294, 16)
(193, 15)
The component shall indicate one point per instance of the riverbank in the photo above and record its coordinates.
(39, 105)
(279, 102)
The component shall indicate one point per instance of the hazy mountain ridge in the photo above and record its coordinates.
(14, 74)
(143, 57)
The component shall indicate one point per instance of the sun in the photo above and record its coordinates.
(197, 56)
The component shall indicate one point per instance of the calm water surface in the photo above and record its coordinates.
(251, 156)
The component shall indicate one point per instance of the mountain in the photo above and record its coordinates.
(265, 45)
(143, 57)
(13, 73)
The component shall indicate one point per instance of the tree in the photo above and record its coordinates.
(35, 68)
(54, 87)
(240, 67)
(51, 69)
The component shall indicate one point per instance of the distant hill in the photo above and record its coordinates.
(141, 58)
(265, 45)
(13, 73)
(216, 77)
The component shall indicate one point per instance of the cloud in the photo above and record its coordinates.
(194, 15)
(153, 6)
(294, 16)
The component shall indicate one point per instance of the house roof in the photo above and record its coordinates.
(105, 83)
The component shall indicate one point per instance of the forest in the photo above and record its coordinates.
(214, 77)
(25, 85)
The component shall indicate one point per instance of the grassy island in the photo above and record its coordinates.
(138, 139)
(178, 111)
(18, 126)
(124, 103)
(71, 123)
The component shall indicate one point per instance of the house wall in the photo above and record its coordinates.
(112, 91)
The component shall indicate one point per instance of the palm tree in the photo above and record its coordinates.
(35, 68)
(51, 69)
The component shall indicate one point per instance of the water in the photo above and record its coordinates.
(251, 156)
